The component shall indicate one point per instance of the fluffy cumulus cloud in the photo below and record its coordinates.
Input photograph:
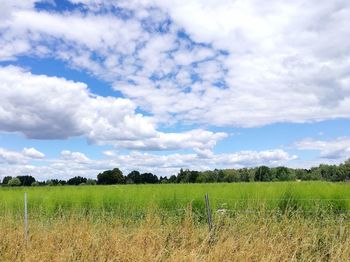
(33, 153)
(13, 157)
(197, 139)
(43, 107)
(337, 149)
(227, 63)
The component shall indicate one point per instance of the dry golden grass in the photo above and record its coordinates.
(240, 238)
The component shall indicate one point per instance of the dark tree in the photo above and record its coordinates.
(62, 182)
(91, 182)
(283, 174)
(192, 176)
(111, 177)
(134, 177)
(245, 175)
(212, 176)
(181, 176)
(77, 180)
(54, 182)
(6, 180)
(263, 173)
(301, 174)
(187, 176)
(329, 172)
(163, 180)
(172, 179)
(344, 171)
(26, 180)
(149, 178)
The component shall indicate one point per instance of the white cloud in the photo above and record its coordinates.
(43, 107)
(13, 157)
(94, 32)
(337, 149)
(195, 139)
(10, 157)
(32, 153)
(77, 157)
(7, 7)
(286, 62)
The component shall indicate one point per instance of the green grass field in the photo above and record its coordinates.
(133, 201)
(306, 221)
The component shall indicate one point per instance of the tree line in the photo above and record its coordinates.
(334, 173)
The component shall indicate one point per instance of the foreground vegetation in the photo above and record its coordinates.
(268, 237)
(282, 221)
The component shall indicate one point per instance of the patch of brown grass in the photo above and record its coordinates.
(240, 238)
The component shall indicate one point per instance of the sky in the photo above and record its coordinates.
(159, 85)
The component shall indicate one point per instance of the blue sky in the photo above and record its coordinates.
(159, 85)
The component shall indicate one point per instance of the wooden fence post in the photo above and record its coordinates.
(207, 206)
(25, 217)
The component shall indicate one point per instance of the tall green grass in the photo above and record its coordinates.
(134, 201)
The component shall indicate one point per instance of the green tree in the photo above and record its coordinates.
(284, 174)
(149, 178)
(301, 174)
(328, 172)
(6, 180)
(188, 176)
(14, 182)
(202, 177)
(181, 176)
(344, 170)
(134, 177)
(172, 179)
(314, 174)
(111, 177)
(91, 182)
(263, 173)
(231, 175)
(163, 180)
(212, 176)
(246, 175)
(26, 180)
(77, 180)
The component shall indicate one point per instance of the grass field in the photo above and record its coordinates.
(129, 201)
(306, 221)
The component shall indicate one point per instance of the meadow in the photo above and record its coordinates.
(280, 221)
(131, 201)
